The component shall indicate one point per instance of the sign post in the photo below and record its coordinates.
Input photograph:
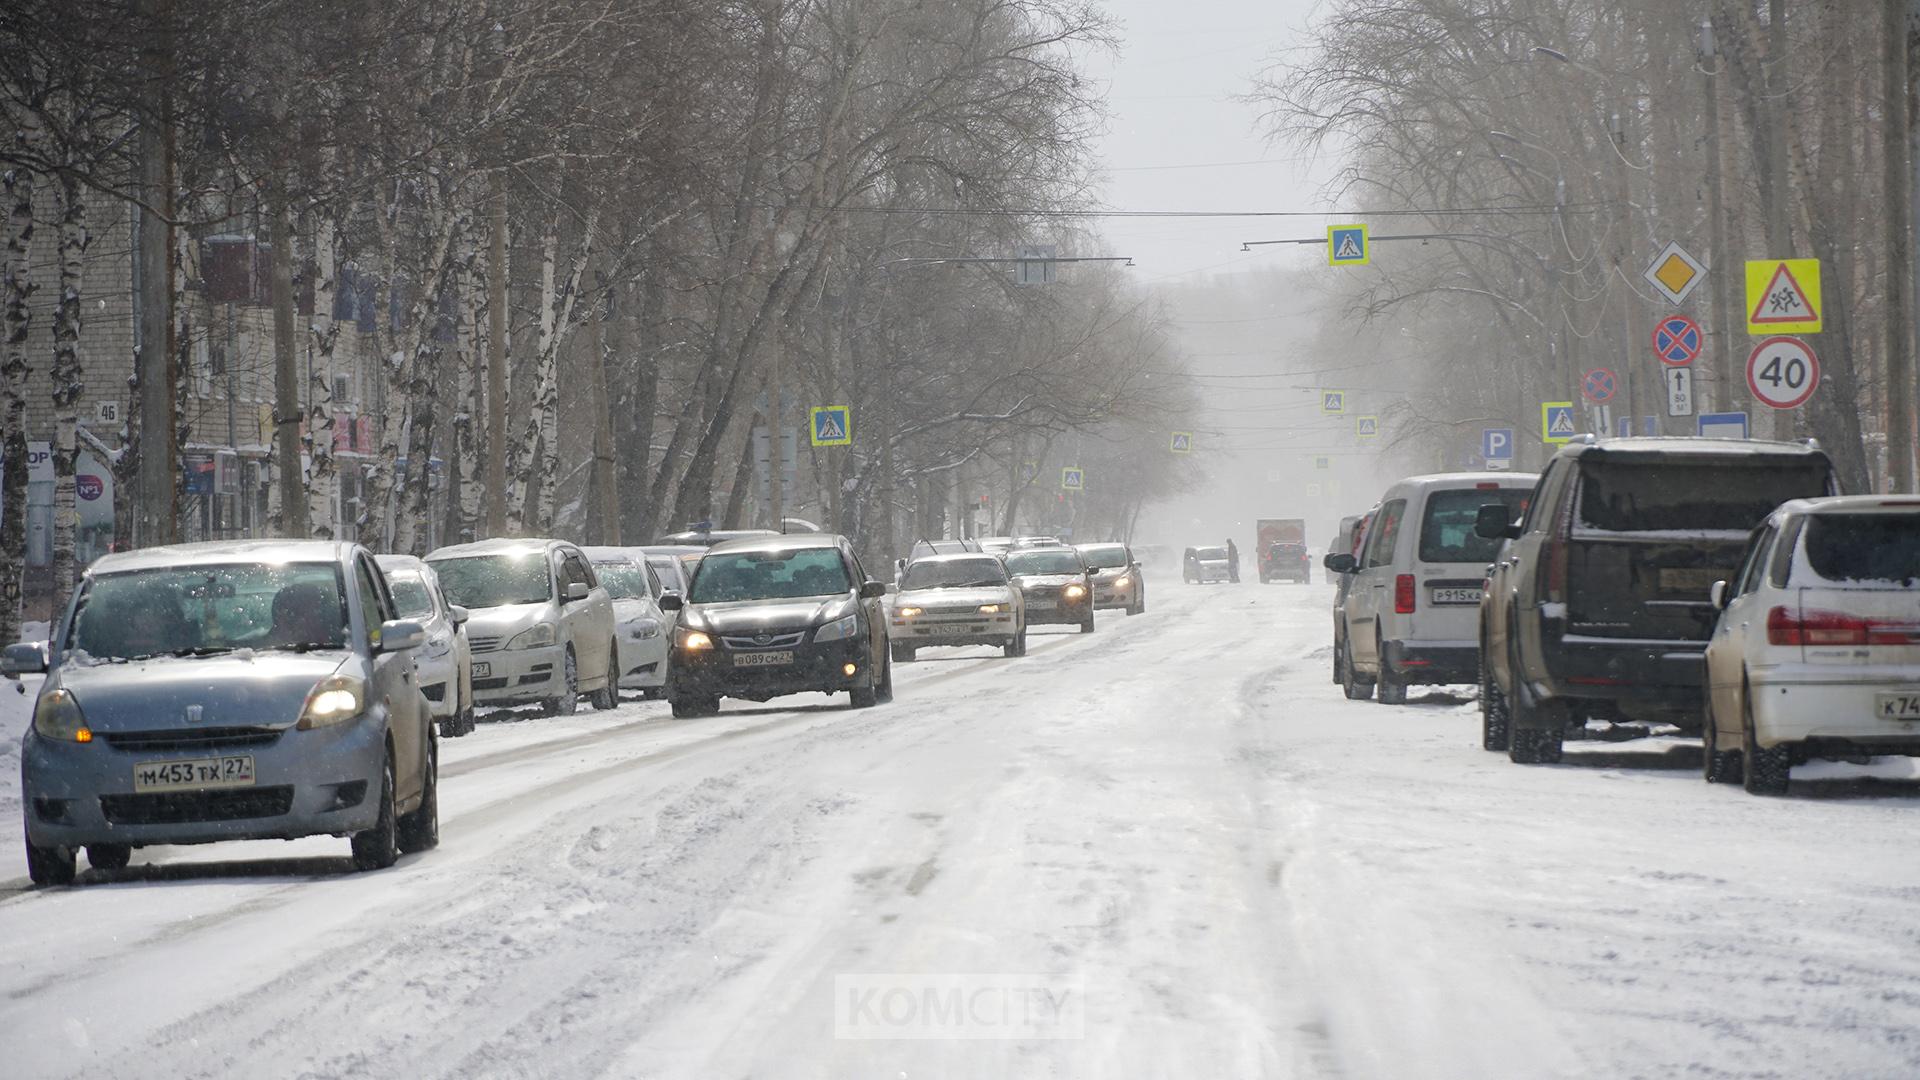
(1496, 446)
(1679, 391)
(831, 425)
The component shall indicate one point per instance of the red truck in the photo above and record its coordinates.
(1280, 544)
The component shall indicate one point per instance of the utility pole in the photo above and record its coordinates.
(157, 506)
(1900, 346)
(287, 412)
(1631, 355)
(497, 361)
(1721, 274)
(1779, 112)
(776, 432)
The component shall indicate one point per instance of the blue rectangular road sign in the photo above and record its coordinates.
(1724, 425)
(1496, 443)
(1623, 426)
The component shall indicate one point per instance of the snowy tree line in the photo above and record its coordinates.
(1585, 136)
(692, 210)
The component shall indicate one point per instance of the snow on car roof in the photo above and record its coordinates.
(222, 551)
(502, 545)
(1689, 444)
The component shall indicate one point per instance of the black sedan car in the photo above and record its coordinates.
(771, 615)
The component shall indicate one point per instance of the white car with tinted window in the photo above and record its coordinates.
(1817, 649)
(640, 627)
(1412, 611)
(443, 664)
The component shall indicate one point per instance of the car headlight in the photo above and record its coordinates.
(992, 609)
(838, 629)
(1074, 592)
(532, 637)
(333, 699)
(436, 647)
(57, 716)
(643, 629)
(692, 640)
(1122, 582)
(907, 612)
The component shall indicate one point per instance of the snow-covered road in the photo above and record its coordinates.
(1178, 816)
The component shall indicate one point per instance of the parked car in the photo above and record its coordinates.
(443, 664)
(1816, 652)
(1021, 543)
(775, 615)
(1286, 562)
(1054, 585)
(964, 599)
(1353, 532)
(540, 624)
(673, 564)
(1118, 581)
(923, 548)
(640, 627)
(996, 545)
(1411, 613)
(1598, 608)
(1205, 564)
(227, 691)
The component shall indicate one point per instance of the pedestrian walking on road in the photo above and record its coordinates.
(1233, 561)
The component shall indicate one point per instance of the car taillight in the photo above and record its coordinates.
(1403, 594)
(1559, 554)
(1835, 628)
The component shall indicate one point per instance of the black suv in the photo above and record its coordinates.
(1598, 607)
(774, 615)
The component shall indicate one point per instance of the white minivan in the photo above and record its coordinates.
(1413, 604)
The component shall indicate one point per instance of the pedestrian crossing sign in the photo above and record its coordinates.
(1366, 427)
(1183, 442)
(832, 425)
(1556, 421)
(1347, 245)
(1333, 402)
(1072, 478)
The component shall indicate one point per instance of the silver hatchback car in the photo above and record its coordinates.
(227, 691)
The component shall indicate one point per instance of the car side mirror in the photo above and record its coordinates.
(24, 658)
(1339, 562)
(1495, 522)
(671, 601)
(1717, 595)
(575, 590)
(399, 635)
(459, 615)
(872, 590)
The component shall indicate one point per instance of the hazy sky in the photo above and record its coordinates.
(1178, 140)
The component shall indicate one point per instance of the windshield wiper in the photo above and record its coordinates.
(305, 646)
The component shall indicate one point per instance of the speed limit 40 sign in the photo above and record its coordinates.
(1782, 372)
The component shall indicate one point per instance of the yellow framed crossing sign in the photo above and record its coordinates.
(1347, 245)
(832, 425)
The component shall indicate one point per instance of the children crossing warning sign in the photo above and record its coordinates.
(1783, 296)
(832, 425)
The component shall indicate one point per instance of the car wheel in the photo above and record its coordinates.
(1356, 688)
(109, 856)
(885, 690)
(1086, 625)
(49, 865)
(419, 829)
(902, 653)
(608, 696)
(376, 848)
(1494, 719)
(1765, 770)
(1534, 745)
(1716, 765)
(569, 699)
(692, 708)
(1392, 690)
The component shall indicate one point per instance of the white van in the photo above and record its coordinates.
(1413, 605)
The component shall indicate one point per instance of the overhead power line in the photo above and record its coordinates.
(1042, 212)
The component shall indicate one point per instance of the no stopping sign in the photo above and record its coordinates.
(1782, 372)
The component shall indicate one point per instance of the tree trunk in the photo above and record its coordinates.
(541, 439)
(603, 490)
(464, 494)
(290, 486)
(158, 451)
(324, 484)
(637, 391)
(496, 384)
(1898, 208)
(69, 386)
(18, 190)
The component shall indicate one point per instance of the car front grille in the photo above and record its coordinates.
(179, 807)
(772, 639)
(192, 738)
(484, 643)
(490, 684)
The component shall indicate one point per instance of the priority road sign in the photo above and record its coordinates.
(1783, 296)
(1599, 385)
(1182, 442)
(1677, 340)
(1721, 425)
(1073, 478)
(1333, 401)
(1496, 444)
(1366, 427)
(832, 425)
(1556, 421)
(1347, 245)
(1675, 272)
(1783, 372)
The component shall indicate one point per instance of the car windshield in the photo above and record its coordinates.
(1103, 556)
(410, 596)
(624, 580)
(769, 575)
(668, 568)
(1864, 547)
(1728, 495)
(1286, 551)
(954, 574)
(1045, 561)
(486, 581)
(1210, 554)
(1446, 532)
(206, 610)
